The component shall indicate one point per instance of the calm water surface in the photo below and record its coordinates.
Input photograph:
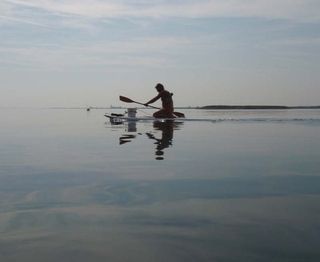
(244, 186)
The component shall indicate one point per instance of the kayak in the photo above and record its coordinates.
(119, 118)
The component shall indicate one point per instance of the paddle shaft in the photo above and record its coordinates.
(145, 105)
(128, 100)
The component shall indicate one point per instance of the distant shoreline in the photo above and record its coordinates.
(208, 107)
(261, 107)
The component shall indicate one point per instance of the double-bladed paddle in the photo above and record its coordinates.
(128, 100)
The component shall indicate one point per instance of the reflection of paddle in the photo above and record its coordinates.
(128, 100)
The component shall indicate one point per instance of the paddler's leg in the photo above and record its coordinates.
(163, 113)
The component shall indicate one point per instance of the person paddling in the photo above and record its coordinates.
(167, 103)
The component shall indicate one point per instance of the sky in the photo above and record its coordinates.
(207, 52)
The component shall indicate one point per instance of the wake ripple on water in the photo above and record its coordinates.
(271, 120)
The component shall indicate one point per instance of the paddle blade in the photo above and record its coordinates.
(126, 99)
(178, 114)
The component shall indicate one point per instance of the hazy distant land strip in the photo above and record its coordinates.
(230, 107)
(226, 107)
(213, 107)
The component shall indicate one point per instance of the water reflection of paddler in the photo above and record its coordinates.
(165, 141)
(126, 138)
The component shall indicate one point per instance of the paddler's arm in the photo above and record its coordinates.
(153, 100)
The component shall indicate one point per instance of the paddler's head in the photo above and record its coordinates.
(159, 87)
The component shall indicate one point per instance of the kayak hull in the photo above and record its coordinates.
(120, 119)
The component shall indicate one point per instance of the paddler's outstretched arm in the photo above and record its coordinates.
(153, 100)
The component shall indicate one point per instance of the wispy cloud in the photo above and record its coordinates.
(138, 52)
(21, 21)
(281, 9)
(145, 48)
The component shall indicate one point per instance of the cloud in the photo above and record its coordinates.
(273, 9)
(32, 47)
(86, 8)
(144, 51)
(9, 19)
